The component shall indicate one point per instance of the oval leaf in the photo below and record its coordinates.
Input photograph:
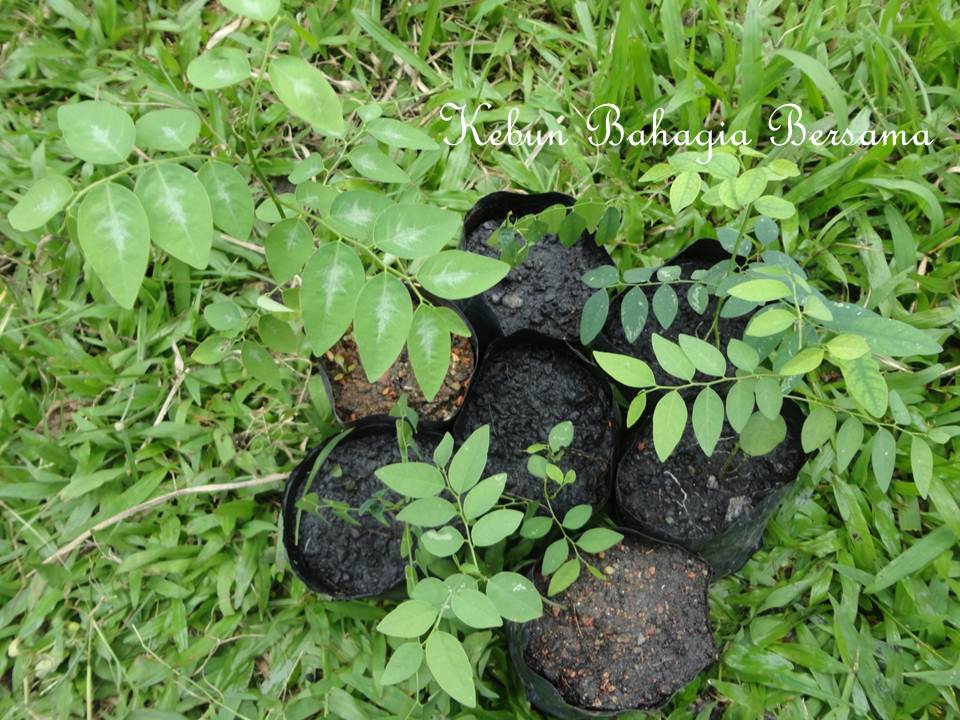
(456, 274)
(288, 246)
(42, 201)
(332, 280)
(230, 198)
(177, 206)
(451, 668)
(171, 130)
(381, 324)
(414, 231)
(429, 349)
(307, 94)
(97, 132)
(218, 68)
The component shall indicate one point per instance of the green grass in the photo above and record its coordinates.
(189, 608)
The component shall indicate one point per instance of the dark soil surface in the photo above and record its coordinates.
(352, 559)
(546, 293)
(524, 390)
(631, 641)
(688, 497)
(687, 321)
(354, 397)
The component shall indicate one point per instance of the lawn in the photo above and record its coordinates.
(154, 400)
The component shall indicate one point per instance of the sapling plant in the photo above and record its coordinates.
(352, 246)
(459, 581)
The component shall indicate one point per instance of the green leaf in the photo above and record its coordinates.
(577, 516)
(770, 322)
(168, 130)
(743, 356)
(775, 207)
(769, 396)
(409, 619)
(601, 277)
(515, 597)
(564, 577)
(820, 78)
(760, 291)
(750, 186)
(626, 370)
(817, 428)
(593, 316)
(704, 356)
(637, 406)
(331, 283)
(114, 234)
(451, 668)
(665, 305)
(698, 298)
(803, 362)
(288, 246)
(761, 434)
(484, 495)
(883, 456)
(414, 231)
(707, 419)
(865, 384)
(373, 164)
(411, 479)
(97, 132)
(669, 420)
(912, 560)
(766, 229)
(381, 323)
(45, 198)
(475, 609)
(262, 10)
(684, 190)
(536, 527)
(179, 212)
(305, 170)
(886, 336)
(443, 542)
(495, 526)
(403, 663)
(560, 436)
(428, 346)
(427, 512)
(672, 358)
(848, 441)
(230, 198)
(847, 347)
(470, 460)
(307, 94)
(400, 134)
(218, 68)
(443, 451)
(224, 315)
(455, 274)
(597, 540)
(739, 404)
(556, 555)
(354, 213)
(633, 313)
(259, 363)
(921, 464)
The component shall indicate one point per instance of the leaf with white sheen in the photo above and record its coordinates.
(331, 282)
(170, 129)
(177, 205)
(414, 231)
(230, 198)
(262, 10)
(381, 323)
(45, 198)
(515, 597)
(218, 68)
(373, 164)
(354, 213)
(114, 234)
(307, 94)
(428, 346)
(400, 135)
(288, 246)
(865, 384)
(669, 420)
(97, 132)
(456, 274)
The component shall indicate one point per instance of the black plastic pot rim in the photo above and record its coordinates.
(424, 424)
(294, 490)
(517, 642)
